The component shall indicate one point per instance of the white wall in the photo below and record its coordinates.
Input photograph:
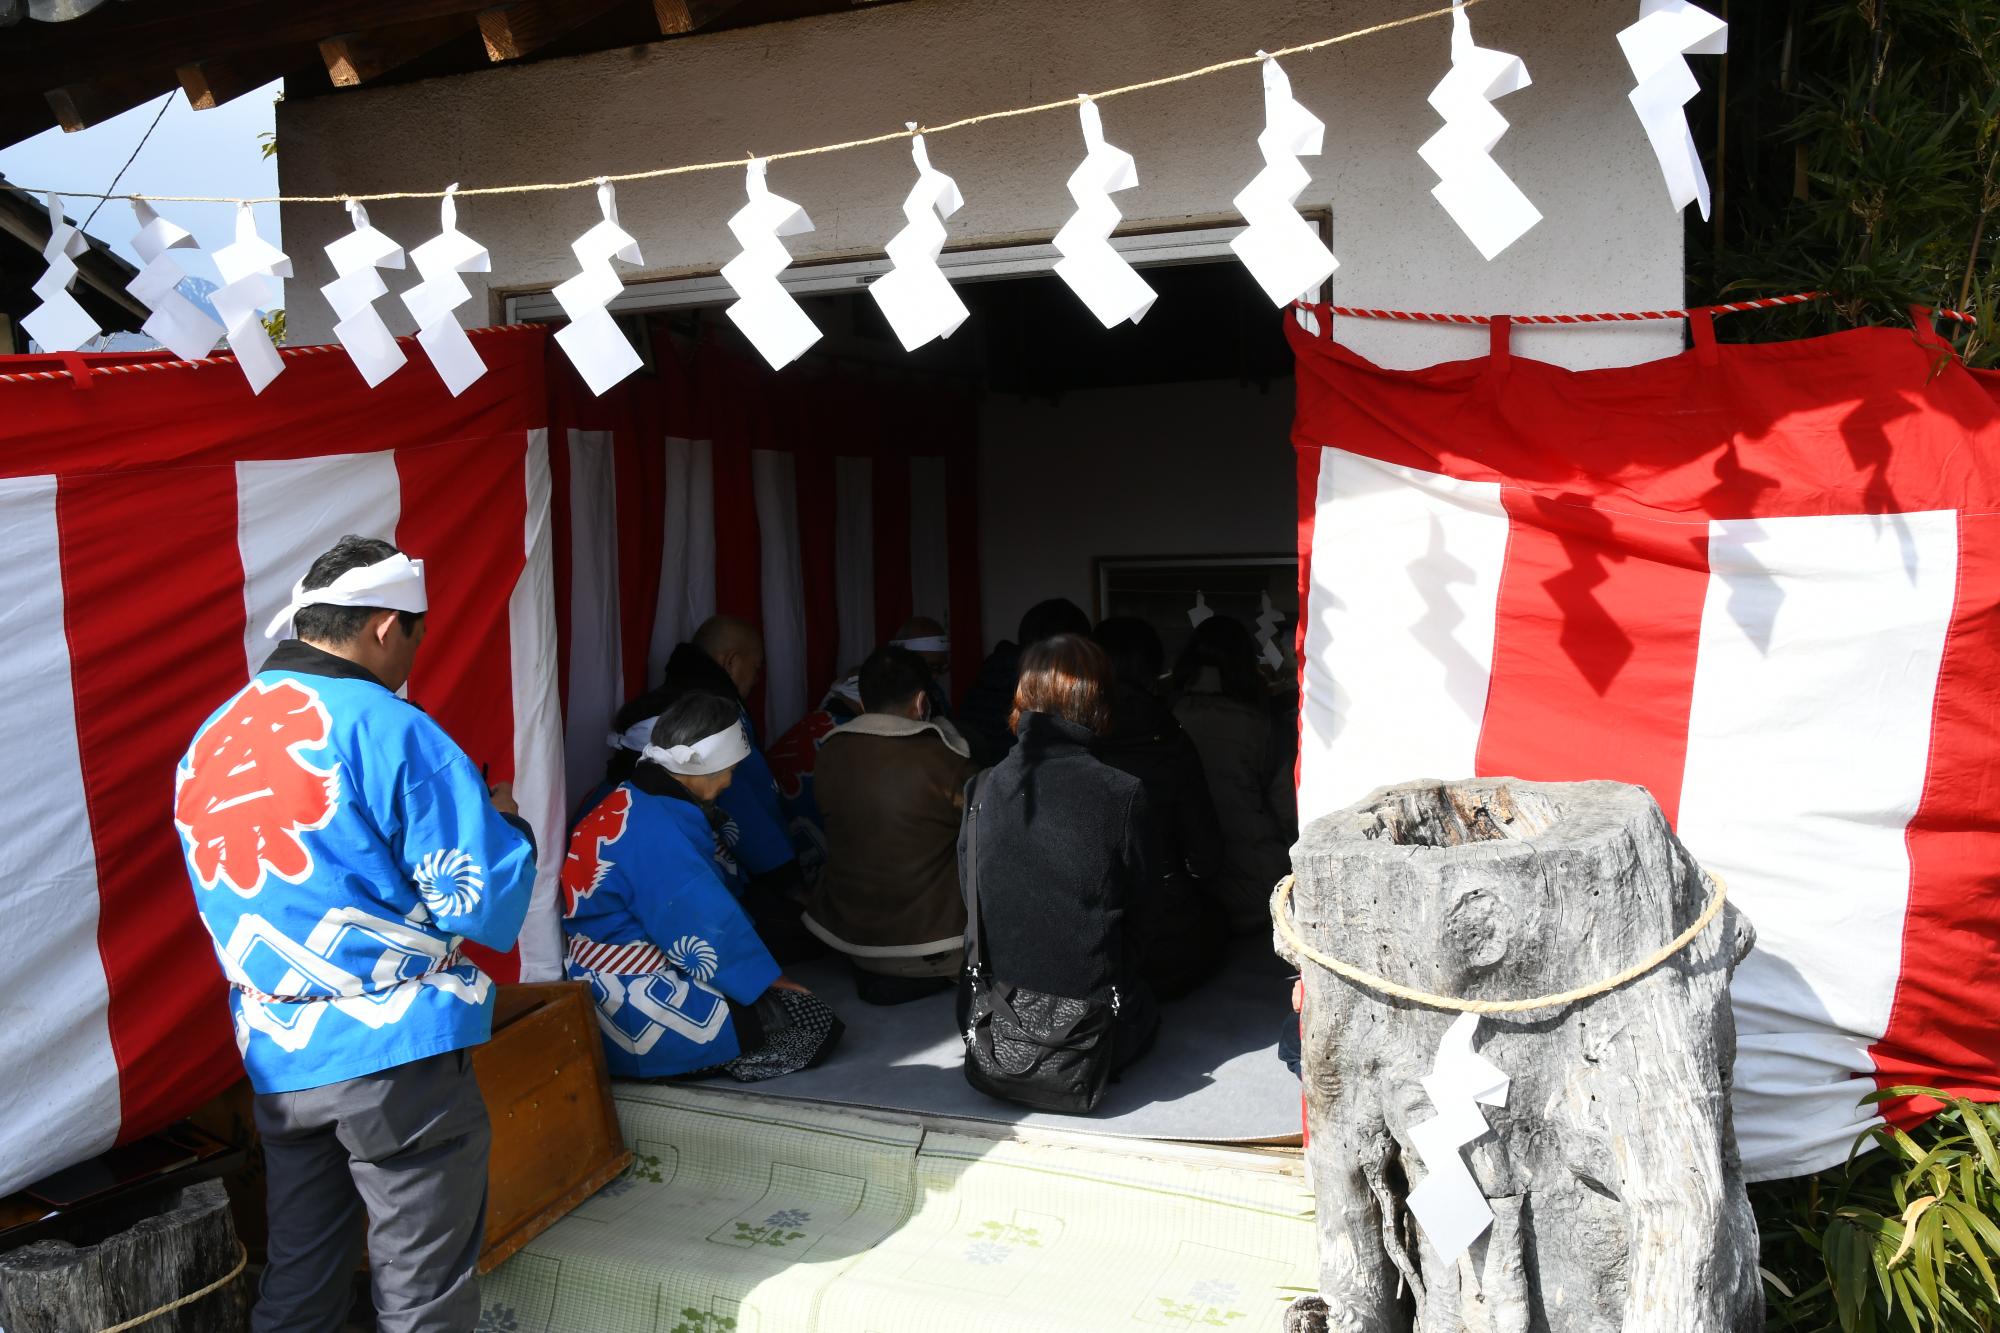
(1609, 241)
(1175, 469)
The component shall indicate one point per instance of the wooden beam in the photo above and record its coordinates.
(166, 35)
(78, 106)
(353, 58)
(514, 30)
(210, 83)
(679, 16)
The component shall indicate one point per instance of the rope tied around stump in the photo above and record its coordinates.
(242, 1260)
(1281, 917)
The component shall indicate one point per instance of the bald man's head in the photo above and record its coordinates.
(735, 645)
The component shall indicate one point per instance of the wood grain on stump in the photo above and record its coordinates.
(1612, 1171)
(54, 1287)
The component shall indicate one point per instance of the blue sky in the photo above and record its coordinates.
(192, 152)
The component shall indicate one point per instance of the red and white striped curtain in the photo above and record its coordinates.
(151, 522)
(1761, 581)
(823, 505)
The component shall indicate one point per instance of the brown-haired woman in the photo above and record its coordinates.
(1063, 855)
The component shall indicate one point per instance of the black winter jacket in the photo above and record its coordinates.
(1063, 867)
(1185, 922)
(982, 714)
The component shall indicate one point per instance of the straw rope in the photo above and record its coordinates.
(656, 173)
(242, 1259)
(1281, 917)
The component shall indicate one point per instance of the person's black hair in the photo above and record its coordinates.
(1137, 655)
(891, 675)
(1227, 645)
(695, 716)
(343, 624)
(1045, 620)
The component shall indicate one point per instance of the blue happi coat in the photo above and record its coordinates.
(763, 842)
(341, 847)
(657, 934)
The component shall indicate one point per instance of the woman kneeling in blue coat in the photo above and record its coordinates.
(682, 983)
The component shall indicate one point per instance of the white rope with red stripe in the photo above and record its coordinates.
(1611, 316)
(127, 368)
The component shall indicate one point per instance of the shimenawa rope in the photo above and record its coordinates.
(893, 136)
(1282, 918)
(242, 1258)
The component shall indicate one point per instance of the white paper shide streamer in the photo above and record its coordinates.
(1281, 249)
(596, 347)
(431, 302)
(176, 322)
(1448, 1204)
(1094, 270)
(353, 294)
(246, 266)
(1481, 198)
(1656, 48)
(914, 296)
(764, 311)
(60, 323)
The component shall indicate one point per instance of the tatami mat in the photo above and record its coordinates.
(743, 1214)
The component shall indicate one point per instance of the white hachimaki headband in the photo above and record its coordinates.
(395, 584)
(929, 643)
(706, 757)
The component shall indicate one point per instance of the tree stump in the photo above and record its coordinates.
(55, 1287)
(1612, 1170)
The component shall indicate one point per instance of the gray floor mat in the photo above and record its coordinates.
(1213, 1075)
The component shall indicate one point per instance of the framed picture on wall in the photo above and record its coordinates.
(1171, 592)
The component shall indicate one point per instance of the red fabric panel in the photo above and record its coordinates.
(641, 475)
(155, 630)
(1855, 414)
(464, 508)
(1593, 661)
(1941, 1031)
(968, 633)
(736, 406)
(1308, 463)
(206, 414)
(814, 484)
(891, 485)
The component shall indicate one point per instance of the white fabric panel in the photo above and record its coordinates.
(538, 742)
(1807, 749)
(783, 590)
(596, 680)
(59, 1099)
(1416, 559)
(854, 557)
(687, 551)
(930, 555)
(289, 511)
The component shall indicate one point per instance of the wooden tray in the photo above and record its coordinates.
(555, 1132)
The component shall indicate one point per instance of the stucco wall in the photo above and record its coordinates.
(1609, 239)
(1172, 469)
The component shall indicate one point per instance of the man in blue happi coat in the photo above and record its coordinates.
(342, 848)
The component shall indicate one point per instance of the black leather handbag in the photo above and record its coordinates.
(1050, 1052)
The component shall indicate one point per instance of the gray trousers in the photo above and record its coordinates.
(405, 1147)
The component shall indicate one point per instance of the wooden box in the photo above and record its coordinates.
(555, 1132)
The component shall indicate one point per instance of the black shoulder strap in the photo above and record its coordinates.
(970, 887)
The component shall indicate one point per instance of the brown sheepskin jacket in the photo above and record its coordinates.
(891, 792)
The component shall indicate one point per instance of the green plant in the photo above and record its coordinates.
(1858, 153)
(1898, 1240)
(274, 323)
